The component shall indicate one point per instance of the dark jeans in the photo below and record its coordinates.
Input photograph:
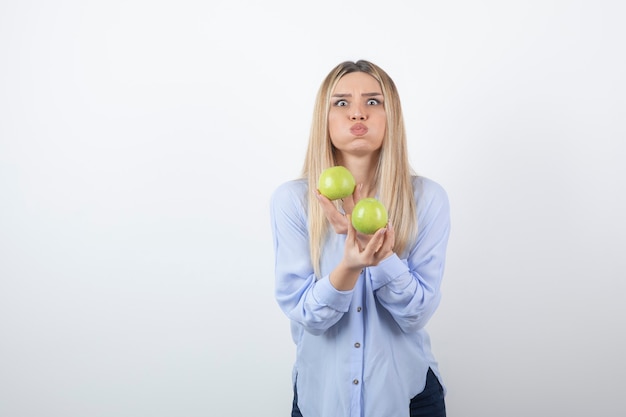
(428, 403)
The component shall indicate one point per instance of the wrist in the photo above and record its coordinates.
(343, 277)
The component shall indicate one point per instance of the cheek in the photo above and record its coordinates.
(381, 124)
(333, 117)
(333, 124)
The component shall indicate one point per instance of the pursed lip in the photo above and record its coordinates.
(358, 129)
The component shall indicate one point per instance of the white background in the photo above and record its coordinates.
(140, 142)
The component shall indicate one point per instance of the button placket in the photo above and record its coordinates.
(356, 336)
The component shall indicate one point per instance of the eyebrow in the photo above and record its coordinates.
(341, 95)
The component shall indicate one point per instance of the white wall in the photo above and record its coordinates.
(139, 144)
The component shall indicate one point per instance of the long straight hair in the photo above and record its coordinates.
(393, 173)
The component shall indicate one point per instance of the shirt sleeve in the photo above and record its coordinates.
(313, 303)
(410, 289)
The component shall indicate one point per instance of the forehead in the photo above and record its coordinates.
(357, 81)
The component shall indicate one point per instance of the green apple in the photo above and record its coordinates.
(336, 182)
(369, 215)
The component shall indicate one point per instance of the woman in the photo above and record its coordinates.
(358, 303)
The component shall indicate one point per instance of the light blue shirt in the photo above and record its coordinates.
(363, 352)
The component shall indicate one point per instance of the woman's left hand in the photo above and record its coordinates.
(369, 250)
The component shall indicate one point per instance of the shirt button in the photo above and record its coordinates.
(355, 382)
(357, 345)
(358, 309)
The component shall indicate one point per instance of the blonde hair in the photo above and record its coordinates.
(393, 173)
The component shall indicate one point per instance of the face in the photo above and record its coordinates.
(357, 118)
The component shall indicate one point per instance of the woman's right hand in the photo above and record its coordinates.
(338, 220)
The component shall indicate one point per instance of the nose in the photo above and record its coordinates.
(358, 114)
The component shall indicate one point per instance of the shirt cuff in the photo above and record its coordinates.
(386, 271)
(325, 294)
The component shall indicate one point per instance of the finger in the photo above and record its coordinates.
(354, 198)
(334, 216)
(388, 244)
(391, 233)
(327, 205)
(377, 241)
(357, 193)
(348, 204)
(350, 201)
(322, 198)
(351, 237)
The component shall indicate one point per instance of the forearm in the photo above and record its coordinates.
(409, 298)
(316, 305)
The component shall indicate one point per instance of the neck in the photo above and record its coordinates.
(364, 171)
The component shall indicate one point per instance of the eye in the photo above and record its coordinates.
(372, 102)
(341, 103)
